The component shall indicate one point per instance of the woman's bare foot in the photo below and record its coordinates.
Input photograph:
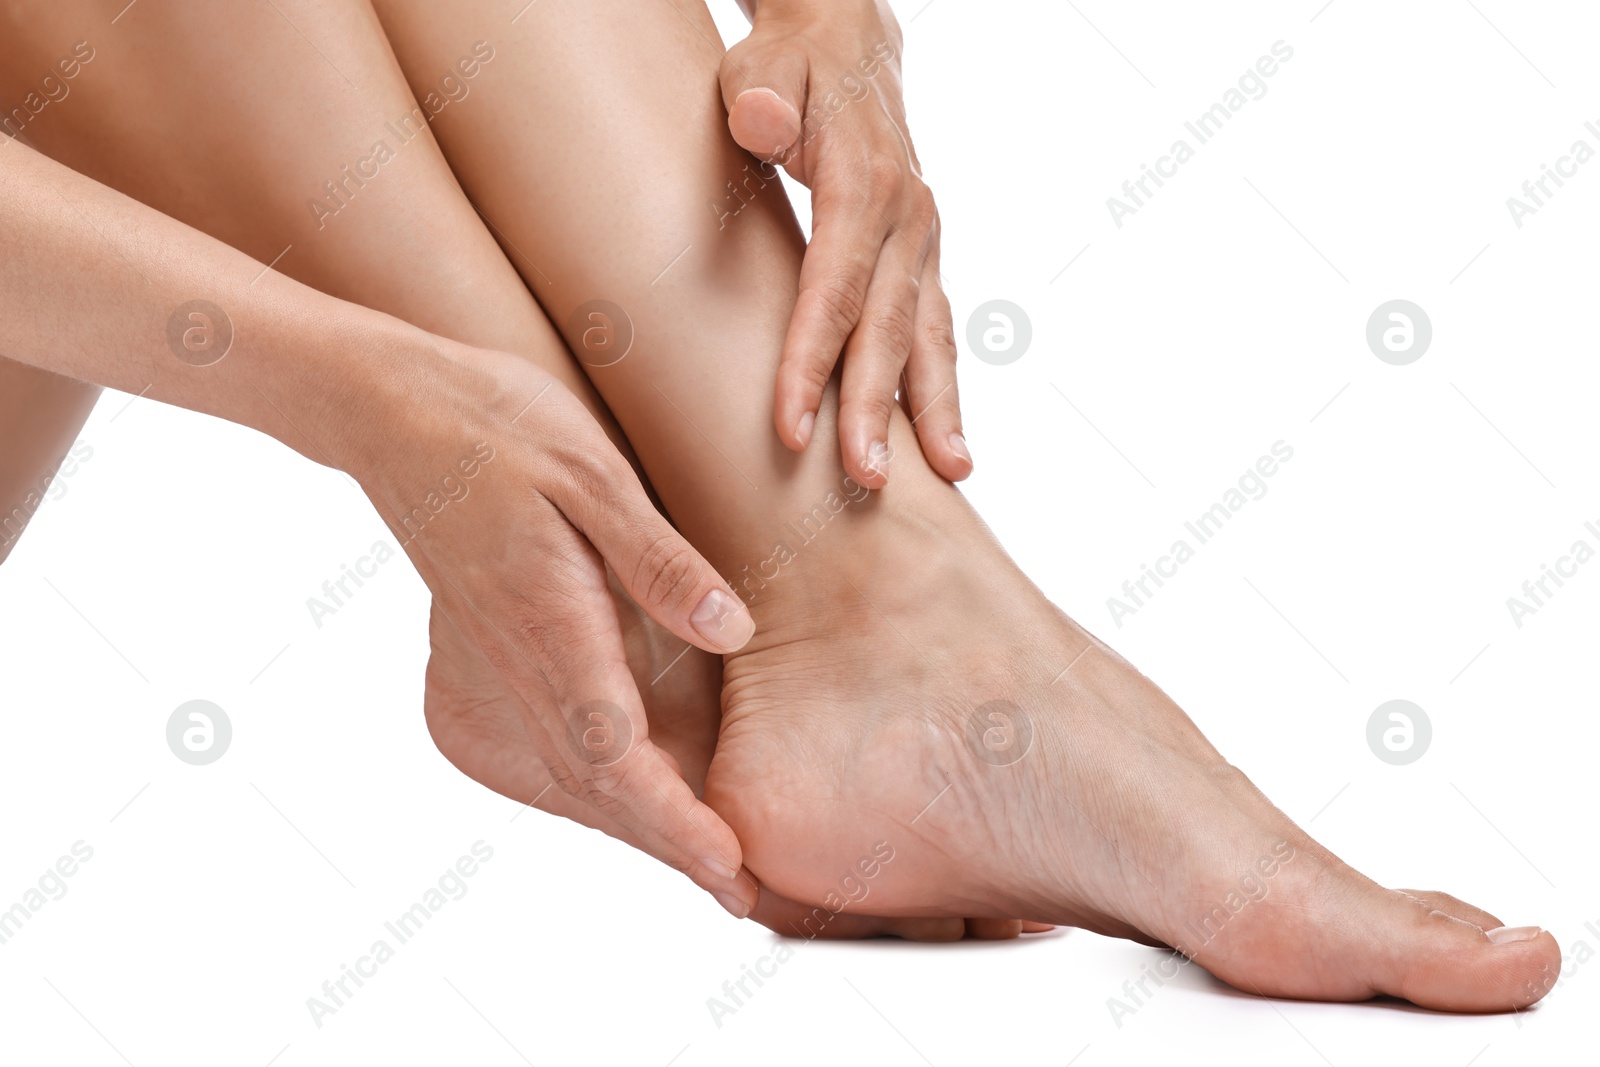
(883, 631)
(476, 722)
(913, 717)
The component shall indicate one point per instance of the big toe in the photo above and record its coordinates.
(1441, 957)
(1339, 936)
(1453, 906)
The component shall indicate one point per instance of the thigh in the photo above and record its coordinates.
(287, 130)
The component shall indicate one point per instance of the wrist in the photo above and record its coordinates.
(418, 404)
(329, 379)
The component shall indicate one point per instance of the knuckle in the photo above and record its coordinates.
(608, 790)
(567, 780)
(891, 327)
(531, 630)
(841, 301)
(885, 177)
(730, 73)
(921, 216)
(593, 477)
(667, 572)
(596, 784)
(874, 408)
(813, 372)
(939, 337)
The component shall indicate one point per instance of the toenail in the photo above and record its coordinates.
(1505, 935)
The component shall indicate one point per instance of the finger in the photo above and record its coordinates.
(602, 497)
(848, 232)
(931, 378)
(556, 640)
(1031, 927)
(794, 919)
(608, 761)
(764, 90)
(527, 781)
(874, 357)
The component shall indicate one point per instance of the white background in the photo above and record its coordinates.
(1227, 314)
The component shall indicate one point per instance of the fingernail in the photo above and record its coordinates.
(758, 89)
(1505, 935)
(878, 458)
(803, 428)
(733, 905)
(958, 445)
(723, 620)
(719, 866)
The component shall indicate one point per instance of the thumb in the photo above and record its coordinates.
(765, 93)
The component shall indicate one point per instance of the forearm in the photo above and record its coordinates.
(95, 283)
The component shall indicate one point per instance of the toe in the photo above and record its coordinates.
(1318, 930)
(994, 929)
(1438, 960)
(1454, 907)
(923, 929)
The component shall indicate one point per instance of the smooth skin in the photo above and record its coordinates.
(884, 633)
(407, 243)
(523, 570)
(40, 415)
